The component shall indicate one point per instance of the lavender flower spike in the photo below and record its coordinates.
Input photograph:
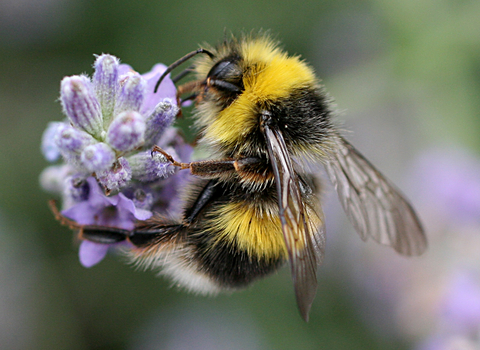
(81, 105)
(105, 82)
(107, 175)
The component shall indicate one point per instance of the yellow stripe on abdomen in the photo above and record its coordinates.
(251, 228)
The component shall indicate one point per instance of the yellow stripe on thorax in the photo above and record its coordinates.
(269, 76)
(251, 228)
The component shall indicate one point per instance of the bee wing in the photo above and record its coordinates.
(304, 254)
(372, 203)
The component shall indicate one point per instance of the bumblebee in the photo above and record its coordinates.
(253, 205)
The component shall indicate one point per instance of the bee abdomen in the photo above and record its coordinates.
(232, 267)
(238, 240)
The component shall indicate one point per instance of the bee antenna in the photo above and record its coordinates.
(179, 62)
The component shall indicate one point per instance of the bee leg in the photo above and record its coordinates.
(169, 157)
(217, 168)
(152, 232)
(60, 218)
(103, 234)
(93, 233)
(159, 236)
(156, 231)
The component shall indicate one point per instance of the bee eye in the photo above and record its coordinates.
(220, 70)
(227, 75)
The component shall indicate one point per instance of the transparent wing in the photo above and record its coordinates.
(305, 244)
(372, 203)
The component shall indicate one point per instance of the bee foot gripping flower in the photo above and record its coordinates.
(113, 120)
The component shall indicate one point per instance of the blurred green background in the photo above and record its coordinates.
(405, 75)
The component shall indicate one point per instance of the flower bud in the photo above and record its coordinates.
(81, 105)
(117, 176)
(97, 157)
(105, 83)
(49, 147)
(126, 131)
(71, 142)
(131, 95)
(163, 115)
(52, 178)
(148, 167)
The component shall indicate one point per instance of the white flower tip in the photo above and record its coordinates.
(74, 84)
(107, 62)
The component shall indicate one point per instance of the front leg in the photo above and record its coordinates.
(244, 167)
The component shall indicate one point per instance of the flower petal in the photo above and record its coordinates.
(124, 69)
(166, 89)
(97, 198)
(91, 253)
(127, 204)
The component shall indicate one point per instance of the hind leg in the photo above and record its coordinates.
(146, 234)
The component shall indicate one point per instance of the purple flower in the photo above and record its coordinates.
(166, 89)
(49, 146)
(52, 178)
(71, 142)
(108, 176)
(162, 116)
(143, 198)
(116, 114)
(448, 341)
(76, 189)
(116, 211)
(90, 253)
